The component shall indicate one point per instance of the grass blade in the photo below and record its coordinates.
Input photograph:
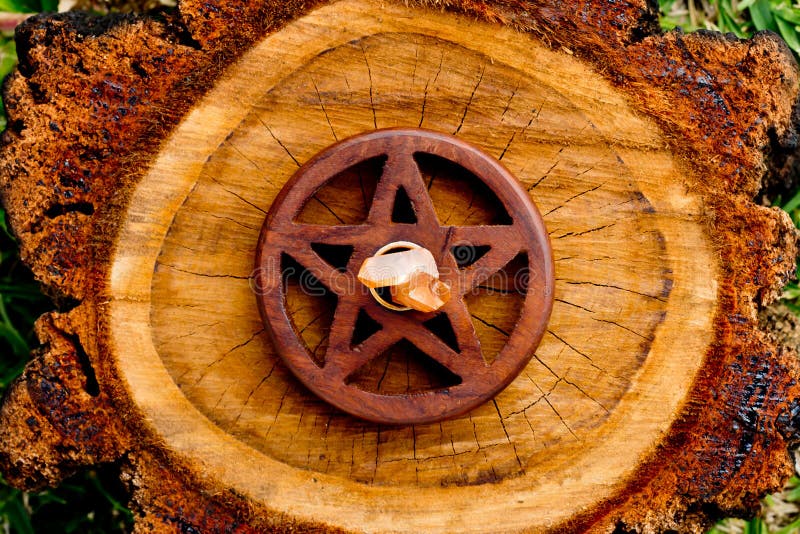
(789, 33)
(761, 15)
(789, 14)
(18, 517)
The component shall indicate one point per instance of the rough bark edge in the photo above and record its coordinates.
(162, 502)
(620, 38)
(55, 417)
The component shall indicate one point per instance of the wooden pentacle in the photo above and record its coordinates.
(652, 393)
(363, 329)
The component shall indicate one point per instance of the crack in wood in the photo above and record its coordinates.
(416, 62)
(238, 196)
(508, 145)
(634, 332)
(278, 411)
(222, 396)
(250, 395)
(469, 102)
(560, 418)
(535, 112)
(232, 220)
(414, 442)
(533, 431)
(315, 350)
(385, 372)
(324, 111)
(545, 175)
(576, 386)
(578, 234)
(475, 432)
(331, 211)
(204, 275)
(227, 353)
(325, 441)
(564, 379)
(427, 85)
(556, 375)
(308, 324)
(536, 401)
(490, 325)
(194, 332)
(299, 423)
(371, 88)
(280, 143)
(573, 197)
(352, 456)
(377, 454)
(573, 304)
(591, 361)
(446, 456)
(229, 142)
(505, 431)
(611, 286)
(244, 343)
(508, 102)
(534, 116)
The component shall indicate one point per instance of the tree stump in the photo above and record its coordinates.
(143, 155)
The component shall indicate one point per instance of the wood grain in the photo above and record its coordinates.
(141, 158)
(634, 269)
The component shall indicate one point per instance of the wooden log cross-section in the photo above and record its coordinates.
(145, 156)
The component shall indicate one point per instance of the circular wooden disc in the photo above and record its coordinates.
(448, 336)
(635, 277)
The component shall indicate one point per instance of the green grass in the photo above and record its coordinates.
(92, 502)
(742, 18)
(88, 503)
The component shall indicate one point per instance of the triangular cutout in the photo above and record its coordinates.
(309, 306)
(365, 327)
(346, 197)
(496, 305)
(441, 326)
(337, 256)
(402, 370)
(403, 210)
(460, 197)
(466, 255)
(513, 277)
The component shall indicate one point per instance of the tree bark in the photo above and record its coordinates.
(143, 155)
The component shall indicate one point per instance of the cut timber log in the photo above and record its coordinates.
(143, 155)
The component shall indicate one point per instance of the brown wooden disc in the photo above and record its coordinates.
(474, 378)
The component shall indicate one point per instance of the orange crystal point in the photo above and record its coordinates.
(396, 268)
(423, 293)
(411, 274)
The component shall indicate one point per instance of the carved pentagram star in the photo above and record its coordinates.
(479, 379)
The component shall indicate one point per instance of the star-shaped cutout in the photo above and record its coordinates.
(400, 172)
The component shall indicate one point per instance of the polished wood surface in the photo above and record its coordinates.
(475, 378)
